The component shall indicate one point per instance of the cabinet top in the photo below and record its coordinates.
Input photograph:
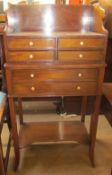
(50, 19)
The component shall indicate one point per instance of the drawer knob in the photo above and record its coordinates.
(79, 74)
(31, 43)
(32, 75)
(81, 43)
(78, 88)
(32, 88)
(80, 55)
(31, 56)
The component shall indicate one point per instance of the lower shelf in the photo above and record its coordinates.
(52, 132)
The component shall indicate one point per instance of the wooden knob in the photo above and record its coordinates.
(80, 55)
(32, 88)
(78, 88)
(31, 43)
(79, 74)
(32, 75)
(31, 56)
(81, 43)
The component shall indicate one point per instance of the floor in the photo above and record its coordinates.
(71, 159)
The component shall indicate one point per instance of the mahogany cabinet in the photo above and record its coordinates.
(53, 52)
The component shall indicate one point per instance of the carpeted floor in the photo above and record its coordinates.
(71, 159)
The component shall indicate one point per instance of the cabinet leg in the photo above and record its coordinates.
(93, 129)
(8, 115)
(20, 110)
(91, 155)
(14, 133)
(61, 106)
(83, 108)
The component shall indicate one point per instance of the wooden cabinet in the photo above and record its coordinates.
(54, 59)
(54, 80)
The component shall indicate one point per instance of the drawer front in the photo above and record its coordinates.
(54, 89)
(55, 74)
(81, 55)
(30, 56)
(31, 43)
(70, 43)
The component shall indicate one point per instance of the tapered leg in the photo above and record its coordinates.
(20, 111)
(7, 153)
(83, 108)
(93, 128)
(14, 133)
(8, 115)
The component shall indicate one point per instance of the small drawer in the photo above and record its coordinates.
(54, 89)
(81, 55)
(70, 43)
(55, 74)
(30, 43)
(30, 56)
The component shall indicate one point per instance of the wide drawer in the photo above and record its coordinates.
(51, 88)
(81, 55)
(70, 43)
(30, 56)
(30, 43)
(54, 74)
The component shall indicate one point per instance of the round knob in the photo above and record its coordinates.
(81, 43)
(81, 55)
(78, 88)
(79, 74)
(31, 43)
(31, 56)
(32, 88)
(32, 75)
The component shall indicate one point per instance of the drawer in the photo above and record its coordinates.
(30, 43)
(55, 74)
(51, 88)
(70, 43)
(30, 56)
(81, 55)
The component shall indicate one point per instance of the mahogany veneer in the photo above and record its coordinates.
(54, 50)
(53, 132)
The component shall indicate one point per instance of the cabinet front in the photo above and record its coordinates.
(67, 54)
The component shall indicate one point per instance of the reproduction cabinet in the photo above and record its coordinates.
(54, 51)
